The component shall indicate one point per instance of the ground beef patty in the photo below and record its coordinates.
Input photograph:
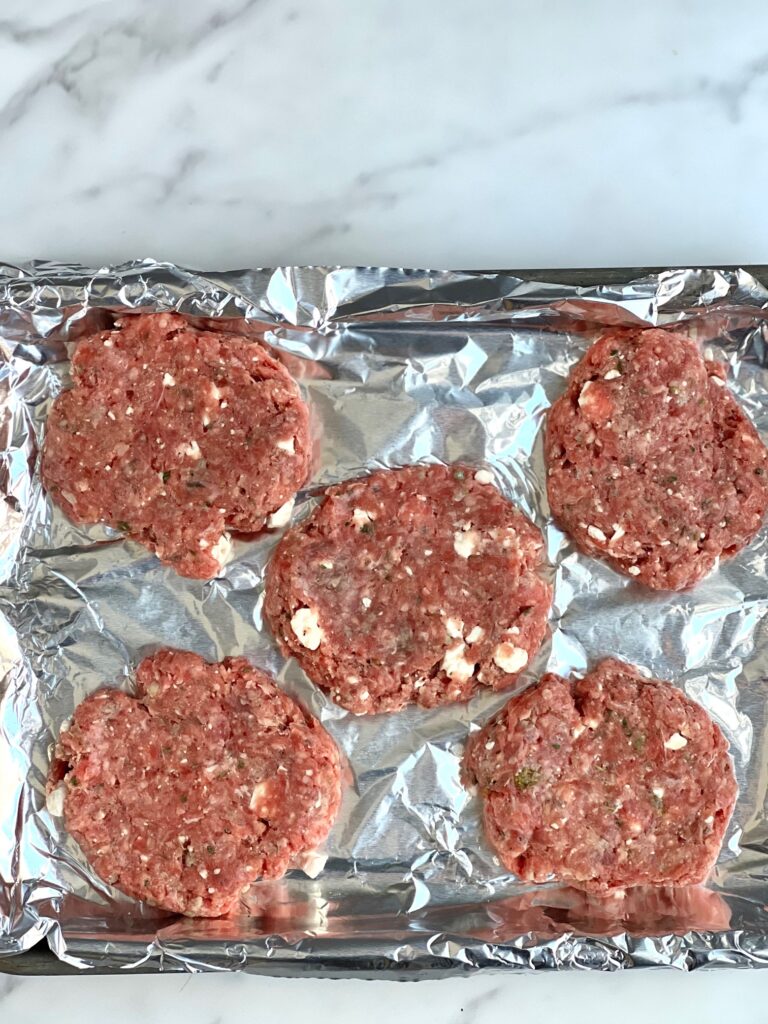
(651, 463)
(209, 778)
(175, 436)
(605, 782)
(416, 584)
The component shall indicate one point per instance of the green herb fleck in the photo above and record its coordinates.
(166, 475)
(366, 528)
(556, 746)
(614, 351)
(759, 471)
(184, 798)
(638, 742)
(122, 525)
(241, 762)
(194, 484)
(459, 474)
(657, 802)
(526, 778)
(74, 781)
(671, 478)
(210, 848)
(620, 365)
(673, 389)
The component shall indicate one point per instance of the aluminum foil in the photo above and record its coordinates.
(398, 366)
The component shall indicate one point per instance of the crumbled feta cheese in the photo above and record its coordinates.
(312, 863)
(282, 515)
(129, 411)
(107, 343)
(222, 549)
(258, 792)
(490, 745)
(618, 532)
(366, 602)
(709, 820)
(676, 742)
(612, 375)
(215, 393)
(633, 570)
(455, 628)
(718, 380)
(287, 445)
(110, 414)
(583, 396)
(192, 449)
(596, 534)
(427, 552)
(465, 542)
(408, 570)
(326, 565)
(54, 802)
(510, 659)
(306, 626)
(361, 518)
(364, 695)
(455, 665)
(475, 634)
(658, 792)
(168, 381)
(483, 476)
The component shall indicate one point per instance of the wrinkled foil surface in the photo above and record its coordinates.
(398, 366)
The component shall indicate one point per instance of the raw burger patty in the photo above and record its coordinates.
(651, 463)
(174, 436)
(605, 782)
(209, 778)
(416, 584)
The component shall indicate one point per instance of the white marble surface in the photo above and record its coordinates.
(412, 132)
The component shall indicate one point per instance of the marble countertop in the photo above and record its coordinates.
(231, 133)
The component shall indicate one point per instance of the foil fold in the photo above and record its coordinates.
(398, 366)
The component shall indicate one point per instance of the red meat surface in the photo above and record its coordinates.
(410, 585)
(204, 781)
(605, 782)
(176, 436)
(651, 463)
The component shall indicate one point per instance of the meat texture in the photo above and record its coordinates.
(206, 780)
(651, 463)
(177, 436)
(604, 782)
(419, 584)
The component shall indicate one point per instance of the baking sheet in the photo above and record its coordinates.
(398, 366)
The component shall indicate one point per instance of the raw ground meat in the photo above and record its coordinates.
(652, 465)
(417, 584)
(604, 783)
(209, 778)
(175, 436)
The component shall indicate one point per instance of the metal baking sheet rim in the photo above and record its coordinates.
(438, 954)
